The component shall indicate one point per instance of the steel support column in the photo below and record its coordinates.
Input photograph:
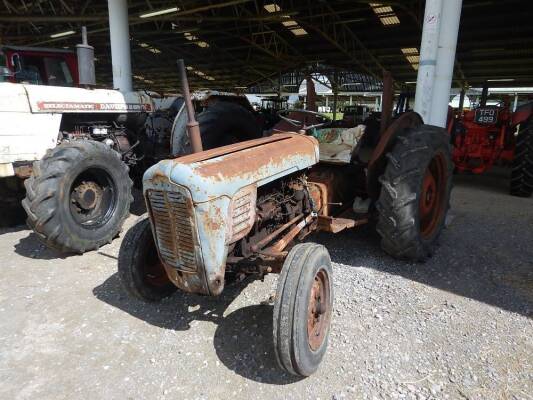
(120, 44)
(428, 58)
(451, 16)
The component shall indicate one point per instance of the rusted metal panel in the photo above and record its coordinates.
(219, 206)
(242, 213)
(172, 219)
(174, 229)
(319, 193)
(335, 225)
(226, 170)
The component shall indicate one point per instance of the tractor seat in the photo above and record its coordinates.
(336, 145)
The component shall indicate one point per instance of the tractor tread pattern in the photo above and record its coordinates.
(398, 203)
(46, 186)
(522, 169)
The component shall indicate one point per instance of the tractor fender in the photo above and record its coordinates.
(522, 114)
(378, 162)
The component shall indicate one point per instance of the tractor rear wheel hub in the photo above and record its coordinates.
(87, 195)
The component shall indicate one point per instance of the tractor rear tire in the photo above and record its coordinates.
(522, 173)
(78, 196)
(221, 123)
(303, 309)
(139, 268)
(415, 193)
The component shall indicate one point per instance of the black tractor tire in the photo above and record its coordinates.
(139, 267)
(221, 123)
(78, 196)
(304, 296)
(415, 193)
(522, 172)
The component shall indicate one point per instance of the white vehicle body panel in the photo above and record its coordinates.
(25, 136)
(30, 116)
(46, 99)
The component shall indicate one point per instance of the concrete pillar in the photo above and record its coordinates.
(428, 58)
(351, 100)
(120, 44)
(449, 29)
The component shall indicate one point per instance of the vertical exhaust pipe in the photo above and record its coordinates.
(85, 53)
(193, 128)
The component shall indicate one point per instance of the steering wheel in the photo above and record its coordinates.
(301, 124)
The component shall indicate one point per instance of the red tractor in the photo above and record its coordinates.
(490, 135)
(38, 66)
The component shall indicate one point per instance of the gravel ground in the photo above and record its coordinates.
(459, 326)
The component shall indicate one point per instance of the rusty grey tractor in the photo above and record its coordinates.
(246, 209)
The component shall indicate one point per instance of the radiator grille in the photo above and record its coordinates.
(173, 229)
(242, 216)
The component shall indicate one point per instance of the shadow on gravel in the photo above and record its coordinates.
(496, 182)
(480, 265)
(244, 343)
(243, 339)
(31, 247)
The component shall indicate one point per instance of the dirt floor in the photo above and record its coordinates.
(459, 326)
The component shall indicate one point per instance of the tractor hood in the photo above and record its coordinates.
(223, 171)
(201, 203)
(57, 99)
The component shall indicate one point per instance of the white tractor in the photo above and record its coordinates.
(76, 149)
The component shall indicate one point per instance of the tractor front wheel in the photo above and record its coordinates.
(415, 193)
(522, 173)
(140, 270)
(303, 308)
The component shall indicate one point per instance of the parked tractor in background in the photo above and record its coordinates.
(38, 66)
(76, 148)
(243, 209)
(493, 135)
